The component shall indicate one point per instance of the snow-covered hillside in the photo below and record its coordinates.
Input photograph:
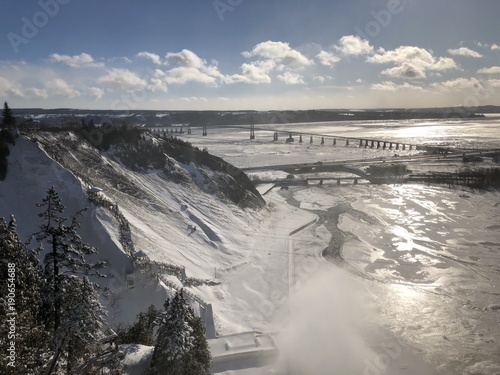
(178, 222)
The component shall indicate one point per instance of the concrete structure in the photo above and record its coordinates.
(242, 350)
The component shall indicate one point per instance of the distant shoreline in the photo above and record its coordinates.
(149, 118)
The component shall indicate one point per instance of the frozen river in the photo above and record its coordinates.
(428, 257)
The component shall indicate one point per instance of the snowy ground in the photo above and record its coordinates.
(426, 258)
(416, 293)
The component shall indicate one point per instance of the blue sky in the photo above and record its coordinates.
(249, 54)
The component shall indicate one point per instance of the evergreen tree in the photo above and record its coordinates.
(181, 348)
(143, 329)
(66, 254)
(81, 322)
(8, 119)
(70, 304)
(20, 293)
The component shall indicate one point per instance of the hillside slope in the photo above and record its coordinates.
(182, 216)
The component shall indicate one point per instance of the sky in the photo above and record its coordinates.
(249, 54)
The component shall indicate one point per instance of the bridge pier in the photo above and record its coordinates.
(366, 143)
(411, 147)
(205, 130)
(378, 144)
(275, 136)
(311, 140)
(322, 140)
(252, 131)
(300, 138)
(397, 146)
(404, 147)
(189, 129)
(355, 181)
(373, 144)
(321, 182)
(360, 143)
(334, 142)
(383, 147)
(390, 146)
(347, 142)
(338, 182)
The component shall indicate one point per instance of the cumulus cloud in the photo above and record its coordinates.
(460, 83)
(194, 99)
(60, 87)
(495, 47)
(7, 88)
(351, 45)
(327, 59)
(464, 51)
(290, 78)
(411, 62)
(190, 68)
(182, 75)
(322, 79)
(96, 92)
(492, 70)
(83, 60)
(405, 70)
(122, 79)
(150, 56)
(391, 86)
(256, 72)
(279, 52)
(186, 59)
(494, 83)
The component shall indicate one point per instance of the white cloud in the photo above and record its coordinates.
(327, 58)
(494, 83)
(122, 79)
(405, 70)
(391, 86)
(182, 75)
(96, 92)
(60, 87)
(411, 62)
(191, 68)
(322, 79)
(350, 45)
(443, 64)
(464, 51)
(291, 78)
(280, 53)
(8, 88)
(194, 99)
(151, 56)
(460, 83)
(495, 47)
(492, 70)
(186, 59)
(83, 60)
(256, 72)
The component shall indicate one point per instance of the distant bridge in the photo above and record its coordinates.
(303, 137)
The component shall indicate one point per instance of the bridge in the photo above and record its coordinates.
(302, 137)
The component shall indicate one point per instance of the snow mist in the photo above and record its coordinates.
(324, 332)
